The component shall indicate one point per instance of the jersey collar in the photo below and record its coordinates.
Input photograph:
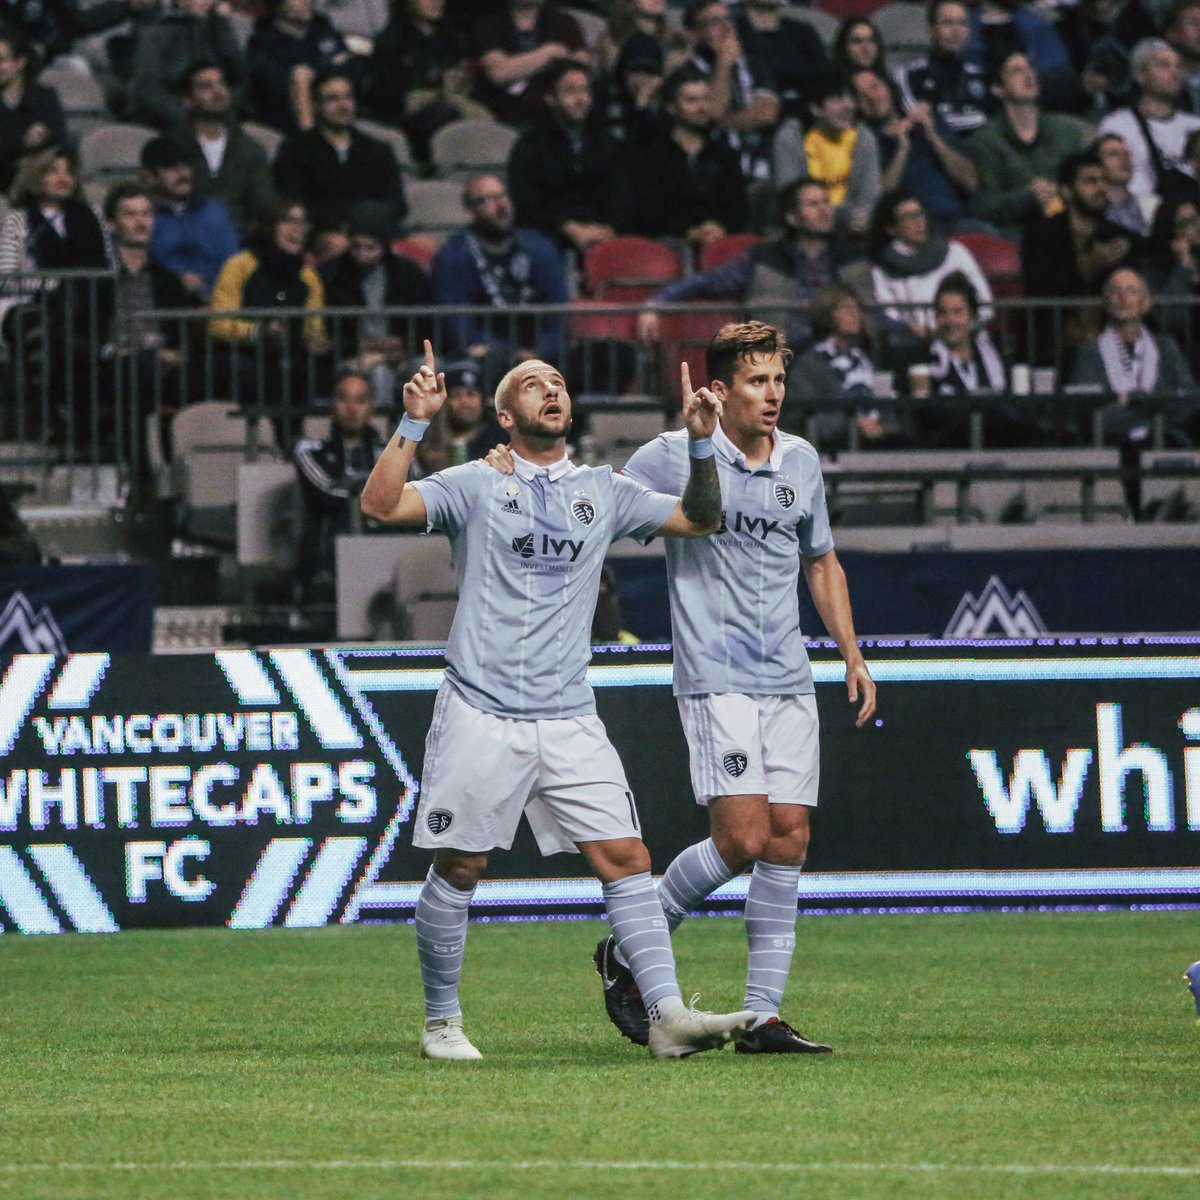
(527, 470)
(732, 454)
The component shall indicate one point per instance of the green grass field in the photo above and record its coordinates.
(977, 1055)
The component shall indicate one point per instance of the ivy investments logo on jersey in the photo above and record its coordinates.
(531, 546)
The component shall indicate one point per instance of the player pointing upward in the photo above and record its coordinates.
(514, 726)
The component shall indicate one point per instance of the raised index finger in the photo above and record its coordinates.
(430, 359)
(685, 378)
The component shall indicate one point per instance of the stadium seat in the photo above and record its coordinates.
(904, 29)
(82, 99)
(424, 588)
(357, 18)
(998, 258)
(684, 337)
(628, 268)
(111, 151)
(269, 139)
(393, 137)
(267, 514)
(471, 146)
(591, 25)
(434, 206)
(584, 321)
(824, 23)
(419, 247)
(722, 249)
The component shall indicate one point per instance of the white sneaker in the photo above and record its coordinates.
(443, 1037)
(689, 1030)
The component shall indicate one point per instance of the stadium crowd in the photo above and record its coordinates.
(876, 206)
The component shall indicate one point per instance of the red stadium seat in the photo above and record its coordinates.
(585, 322)
(999, 260)
(628, 268)
(722, 249)
(684, 337)
(420, 247)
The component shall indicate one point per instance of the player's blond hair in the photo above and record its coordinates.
(506, 385)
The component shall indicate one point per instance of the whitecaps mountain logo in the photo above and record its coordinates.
(995, 614)
(33, 633)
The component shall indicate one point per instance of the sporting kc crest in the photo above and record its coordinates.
(583, 510)
(785, 494)
(735, 762)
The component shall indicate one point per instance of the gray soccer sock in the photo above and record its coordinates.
(441, 924)
(771, 932)
(635, 917)
(696, 873)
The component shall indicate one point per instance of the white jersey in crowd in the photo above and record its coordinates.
(735, 607)
(1170, 136)
(528, 551)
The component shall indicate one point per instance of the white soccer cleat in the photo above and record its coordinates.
(443, 1037)
(689, 1030)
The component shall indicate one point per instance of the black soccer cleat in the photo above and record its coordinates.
(622, 1000)
(778, 1037)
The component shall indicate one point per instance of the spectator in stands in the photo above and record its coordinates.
(31, 117)
(514, 47)
(1100, 36)
(1146, 373)
(643, 19)
(951, 84)
(629, 96)
(270, 358)
(909, 261)
(194, 235)
(144, 354)
(834, 378)
(227, 163)
(791, 49)
(419, 76)
(334, 165)
(565, 179)
(1018, 152)
(288, 49)
(743, 100)
(49, 228)
(791, 270)
(858, 46)
(1154, 129)
(331, 472)
(1072, 252)
(963, 361)
(465, 428)
(1123, 206)
(1181, 29)
(492, 263)
(917, 151)
(838, 150)
(53, 26)
(1172, 264)
(369, 275)
(1003, 27)
(686, 182)
(167, 49)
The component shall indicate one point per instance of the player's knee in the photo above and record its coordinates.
(788, 849)
(742, 846)
(618, 859)
(461, 871)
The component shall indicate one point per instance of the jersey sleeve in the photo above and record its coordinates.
(449, 496)
(638, 511)
(652, 466)
(815, 535)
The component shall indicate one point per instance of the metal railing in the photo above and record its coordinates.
(83, 382)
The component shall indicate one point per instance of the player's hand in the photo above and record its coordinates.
(425, 392)
(700, 407)
(500, 459)
(859, 684)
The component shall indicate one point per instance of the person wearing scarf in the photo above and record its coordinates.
(1133, 363)
(964, 362)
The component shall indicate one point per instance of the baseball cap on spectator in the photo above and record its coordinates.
(464, 375)
(641, 52)
(374, 219)
(161, 152)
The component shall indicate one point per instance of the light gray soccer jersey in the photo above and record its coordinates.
(528, 550)
(735, 610)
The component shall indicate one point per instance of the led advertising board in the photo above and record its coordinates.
(250, 788)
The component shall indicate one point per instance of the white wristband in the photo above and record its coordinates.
(701, 447)
(411, 429)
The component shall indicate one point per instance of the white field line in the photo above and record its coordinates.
(567, 1164)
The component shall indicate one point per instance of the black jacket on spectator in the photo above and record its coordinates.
(168, 292)
(271, 55)
(406, 285)
(554, 178)
(38, 106)
(672, 193)
(243, 183)
(55, 24)
(407, 58)
(795, 56)
(308, 167)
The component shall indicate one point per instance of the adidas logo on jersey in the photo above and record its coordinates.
(511, 507)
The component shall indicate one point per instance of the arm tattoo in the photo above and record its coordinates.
(702, 496)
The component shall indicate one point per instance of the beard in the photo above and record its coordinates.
(537, 428)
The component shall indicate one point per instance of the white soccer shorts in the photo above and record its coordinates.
(483, 771)
(741, 745)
